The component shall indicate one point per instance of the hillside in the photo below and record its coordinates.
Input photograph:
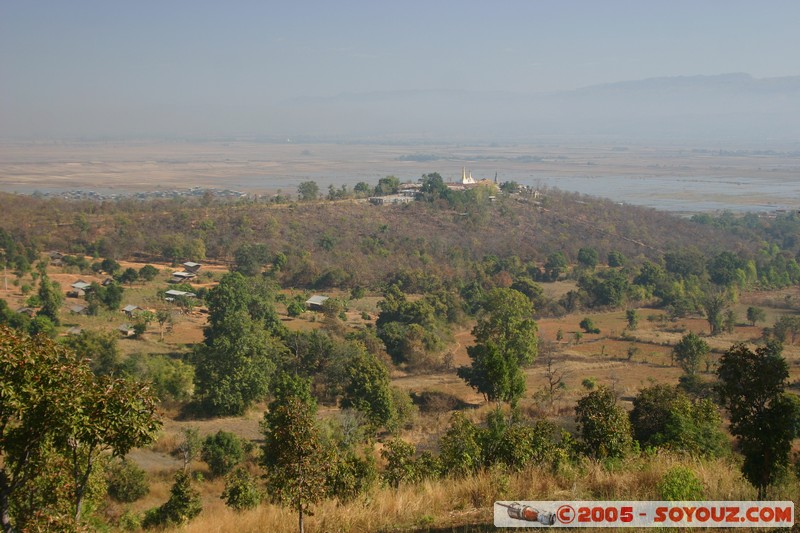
(613, 290)
(355, 242)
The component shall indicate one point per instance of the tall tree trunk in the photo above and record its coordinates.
(5, 517)
(300, 517)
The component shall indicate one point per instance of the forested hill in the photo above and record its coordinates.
(350, 242)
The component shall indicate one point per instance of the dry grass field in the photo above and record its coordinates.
(667, 175)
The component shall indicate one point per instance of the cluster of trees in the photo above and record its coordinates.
(58, 423)
(368, 245)
(415, 332)
(751, 387)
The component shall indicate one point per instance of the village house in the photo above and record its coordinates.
(182, 277)
(170, 295)
(79, 309)
(191, 267)
(315, 302)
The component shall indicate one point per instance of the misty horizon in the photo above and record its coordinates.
(416, 72)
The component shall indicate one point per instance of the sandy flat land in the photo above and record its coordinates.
(667, 177)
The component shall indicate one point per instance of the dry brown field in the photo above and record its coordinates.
(667, 175)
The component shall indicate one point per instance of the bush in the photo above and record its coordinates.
(241, 490)
(400, 467)
(184, 504)
(460, 446)
(295, 308)
(680, 484)
(222, 452)
(351, 475)
(127, 482)
(588, 326)
(603, 425)
(404, 410)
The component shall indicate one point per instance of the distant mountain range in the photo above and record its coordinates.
(727, 107)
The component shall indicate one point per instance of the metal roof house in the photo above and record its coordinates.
(80, 285)
(191, 266)
(170, 295)
(316, 301)
(181, 277)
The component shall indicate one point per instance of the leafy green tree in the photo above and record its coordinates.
(235, 363)
(764, 419)
(588, 326)
(295, 308)
(509, 187)
(109, 297)
(506, 340)
(387, 185)
(127, 482)
(714, 303)
(98, 348)
(293, 455)
(532, 290)
(308, 191)
(170, 379)
(362, 189)
(164, 318)
(461, 446)
(350, 474)
(690, 351)
(632, 319)
(241, 490)
(616, 259)
(400, 464)
(234, 293)
(368, 389)
(50, 299)
(588, 258)
(685, 263)
(755, 314)
(249, 259)
(603, 425)
(663, 416)
(109, 266)
(516, 444)
(148, 272)
(222, 452)
(722, 268)
(184, 504)
(786, 328)
(233, 368)
(129, 276)
(555, 265)
(54, 407)
(607, 288)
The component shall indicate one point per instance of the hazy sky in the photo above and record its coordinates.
(105, 67)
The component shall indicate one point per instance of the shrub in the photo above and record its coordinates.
(400, 467)
(351, 475)
(184, 504)
(222, 452)
(241, 490)
(460, 446)
(603, 425)
(588, 326)
(295, 308)
(127, 482)
(680, 484)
